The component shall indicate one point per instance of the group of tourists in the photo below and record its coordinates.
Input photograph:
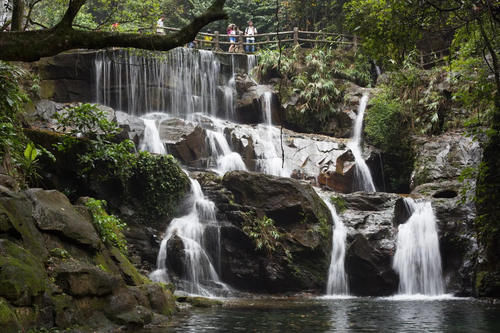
(232, 31)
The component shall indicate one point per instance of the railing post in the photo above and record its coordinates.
(355, 42)
(295, 36)
(422, 60)
(240, 43)
(216, 40)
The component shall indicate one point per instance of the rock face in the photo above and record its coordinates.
(55, 270)
(300, 258)
(371, 243)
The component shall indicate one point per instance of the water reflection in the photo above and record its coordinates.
(342, 315)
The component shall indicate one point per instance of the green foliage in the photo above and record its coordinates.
(387, 27)
(387, 128)
(17, 154)
(339, 203)
(315, 79)
(153, 183)
(265, 235)
(88, 122)
(158, 182)
(109, 227)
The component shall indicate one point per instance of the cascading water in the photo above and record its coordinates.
(151, 141)
(199, 274)
(269, 162)
(226, 159)
(363, 180)
(337, 278)
(417, 259)
(182, 81)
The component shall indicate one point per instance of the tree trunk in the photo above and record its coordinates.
(17, 15)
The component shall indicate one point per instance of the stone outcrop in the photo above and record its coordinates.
(300, 257)
(56, 272)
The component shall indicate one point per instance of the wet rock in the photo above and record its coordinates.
(281, 199)
(249, 104)
(369, 270)
(133, 127)
(301, 255)
(185, 141)
(340, 179)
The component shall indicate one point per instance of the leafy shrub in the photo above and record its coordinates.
(387, 128)
(158, 182)
(265, 235)
(17, 154)
(109, 227)
(152, 183)
(314, 79)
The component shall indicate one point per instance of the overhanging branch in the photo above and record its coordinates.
(33, 45)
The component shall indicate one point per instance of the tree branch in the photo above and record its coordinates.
(32, 45)
(73, 9)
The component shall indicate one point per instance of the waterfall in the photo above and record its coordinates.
(417, 259)
(199, 273)
(363, 180)
(151, 141)
(226, 159)
(183, 81)
(337, 278)
(269, 161)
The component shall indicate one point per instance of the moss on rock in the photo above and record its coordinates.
(8, 319)
(22, 275)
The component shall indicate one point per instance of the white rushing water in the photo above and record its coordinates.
(417, 259)
(225, 158)
(199, 273)
(337, 278)
(151, 141)
(269, 160)
(363, 179)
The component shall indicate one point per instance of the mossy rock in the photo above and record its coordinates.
(16, 212)
(128, 271)
(8, 319)
(200, 302)
(22, 275)
(160, 298)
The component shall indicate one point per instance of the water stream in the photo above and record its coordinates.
(337, 278)
(417, 259)
(363, 180)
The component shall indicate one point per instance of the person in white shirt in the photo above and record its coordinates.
(159, 25)
(250, 32)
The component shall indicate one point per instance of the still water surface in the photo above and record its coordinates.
(342, 315)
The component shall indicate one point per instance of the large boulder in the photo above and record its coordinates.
(370, 243)
(53, 212)
(184, 140)
(298, 259)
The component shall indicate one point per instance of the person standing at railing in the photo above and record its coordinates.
(231, 31)
(250, 33)
(160, 28)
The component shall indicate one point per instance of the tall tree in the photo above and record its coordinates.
(32, 45)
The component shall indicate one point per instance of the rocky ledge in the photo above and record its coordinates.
(55, 271)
